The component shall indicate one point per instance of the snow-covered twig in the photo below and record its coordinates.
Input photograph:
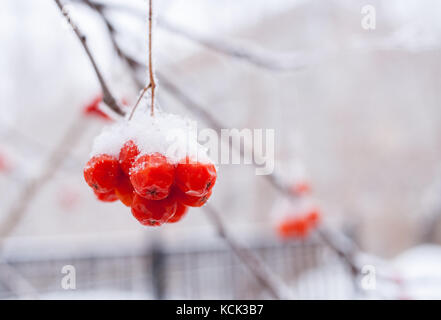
(108, 98)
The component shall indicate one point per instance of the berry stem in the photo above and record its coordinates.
(139, 99)
(152, 78)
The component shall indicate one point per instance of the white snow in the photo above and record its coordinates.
(168, 134)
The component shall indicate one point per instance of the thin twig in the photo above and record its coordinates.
(152, 78)
(16, 282)
(108, 98)
(259, 57)
(253, 263)
(99, 8)
(31, 189)
(144, 90)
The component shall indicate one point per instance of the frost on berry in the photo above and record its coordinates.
(195, 178)
(102, 173)
(152, 176)
(127, 156)
(153, 212)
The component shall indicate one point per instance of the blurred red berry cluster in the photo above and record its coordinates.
(93, 110)
(299, 223)
(157, 190)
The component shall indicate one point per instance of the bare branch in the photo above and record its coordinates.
(107, 96)
(31, 189)
(99, 8)
(256, 56)
(259, 57)
(16, 282)
(152, 78)
(253, 263)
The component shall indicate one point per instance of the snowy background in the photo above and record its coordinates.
(360, 120)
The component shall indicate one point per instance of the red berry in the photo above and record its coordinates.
(294, 228)
(181, 211)
(93, 110)
(153, 212)
(152, 176)
(106, 196)
(124, 191)
(191, 201)
(195, 178)
(313, 217)
(302, 187)
(102, 173)
(127, 156)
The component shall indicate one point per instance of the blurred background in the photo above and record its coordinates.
(357, 119)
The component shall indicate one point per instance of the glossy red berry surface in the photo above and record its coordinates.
(102, 173)
(191, 201)
(153, 212)
(152, 176)
(124, 191)
(127, 156)
(106, 196)
(181, 211)
(195, 178)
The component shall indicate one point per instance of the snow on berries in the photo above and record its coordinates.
(154, 165)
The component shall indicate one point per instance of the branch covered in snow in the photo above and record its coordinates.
(108, 98)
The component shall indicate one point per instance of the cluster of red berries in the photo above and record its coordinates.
(300, 225)
(157, 190)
